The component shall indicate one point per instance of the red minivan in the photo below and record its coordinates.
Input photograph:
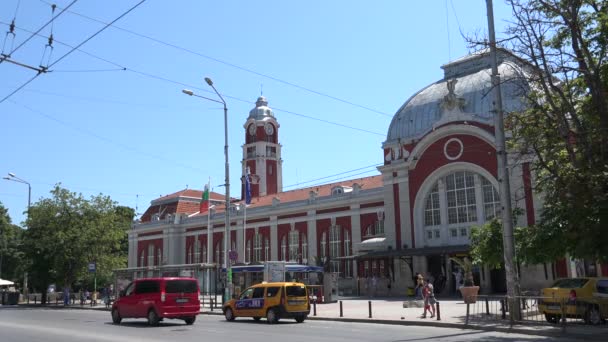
(158, 298)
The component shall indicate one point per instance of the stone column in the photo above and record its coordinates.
(274, 245)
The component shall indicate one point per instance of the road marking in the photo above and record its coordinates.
(83, 335)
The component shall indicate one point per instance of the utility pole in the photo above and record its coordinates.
(503, 175)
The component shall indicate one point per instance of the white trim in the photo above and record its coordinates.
(445, 149)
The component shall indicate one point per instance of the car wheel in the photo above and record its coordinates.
(300, 318)
(153, 318)
(271, 316)
(551, 318)
(229, 314)
(190, 320)
(593, 316)
(256, 318)
(116, 317)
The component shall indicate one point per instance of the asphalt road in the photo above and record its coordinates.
(34, 324)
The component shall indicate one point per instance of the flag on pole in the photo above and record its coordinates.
(205, 199)
(247, 188)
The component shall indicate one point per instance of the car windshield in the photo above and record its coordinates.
(572, 283)
(179, 286)
(295, 291)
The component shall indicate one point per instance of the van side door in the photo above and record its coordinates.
(147, 292)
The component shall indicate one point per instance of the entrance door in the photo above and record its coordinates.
(436, 272)
(498, 278)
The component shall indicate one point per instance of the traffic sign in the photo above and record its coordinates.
(92, 267)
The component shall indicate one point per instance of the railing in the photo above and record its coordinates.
(581, 311)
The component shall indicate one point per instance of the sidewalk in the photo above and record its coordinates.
(452, 314)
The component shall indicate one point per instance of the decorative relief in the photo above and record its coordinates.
(451, 101)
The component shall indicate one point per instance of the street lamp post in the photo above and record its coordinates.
(227, 267)
(12, 177)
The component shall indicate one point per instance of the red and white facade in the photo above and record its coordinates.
(439, 179)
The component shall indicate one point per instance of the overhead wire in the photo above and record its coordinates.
(2, 58)
(164, 79)
(276, 79)
(72, 50)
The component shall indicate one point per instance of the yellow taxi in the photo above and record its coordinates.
(271, 300)
(585, 298)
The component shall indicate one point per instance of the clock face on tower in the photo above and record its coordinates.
(252, 129)
(269, 129)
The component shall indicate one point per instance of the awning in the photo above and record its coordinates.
(6, 282)
(288, 268)
(373, 244)
(424, 251)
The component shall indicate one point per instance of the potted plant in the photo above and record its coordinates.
(469, 290)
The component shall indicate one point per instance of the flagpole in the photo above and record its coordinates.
(209, 237)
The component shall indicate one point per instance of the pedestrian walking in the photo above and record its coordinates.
(429, 299)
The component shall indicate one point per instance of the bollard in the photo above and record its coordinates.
(341, 315)
(35, 300)
(502, 308)
(211, 303)
(314, 307)
(369, 305)
(487, 307)
(466, 322)
(28, 299)
(438, 312)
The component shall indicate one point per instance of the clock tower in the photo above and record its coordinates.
(262, 151)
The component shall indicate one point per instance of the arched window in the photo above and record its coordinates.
(248, 251)
(491, 201)
(460, 192)
(456, 202)
(334, 248)
(323, 251)
(284, 248)
(432, 213)
(304, 248)
(219, 252)
(266, 249)
(142, 258)
(294, 245)
(159, 256)
(197, 251)
(150, 255)
(348, 270)
(257, 247)
(203, 251)
(189, 254)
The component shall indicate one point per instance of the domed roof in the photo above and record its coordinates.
(261, 110)
(464, 94)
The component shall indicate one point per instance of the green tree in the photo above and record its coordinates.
(66, 232)
(565, 129)
(11, 254)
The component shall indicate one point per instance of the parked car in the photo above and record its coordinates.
(271, 300)
(585, 298)
(158, 298)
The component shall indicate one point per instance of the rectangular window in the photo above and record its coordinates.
(454, 232)
(437, 234)
(181, 286)
(251, 152)
(429, 234)
(463, 232)
(271, 151)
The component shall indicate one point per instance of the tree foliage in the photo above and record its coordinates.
(565, 129)
(66, 232)
(11, 254)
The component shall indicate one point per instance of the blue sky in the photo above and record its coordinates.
(131, 134)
